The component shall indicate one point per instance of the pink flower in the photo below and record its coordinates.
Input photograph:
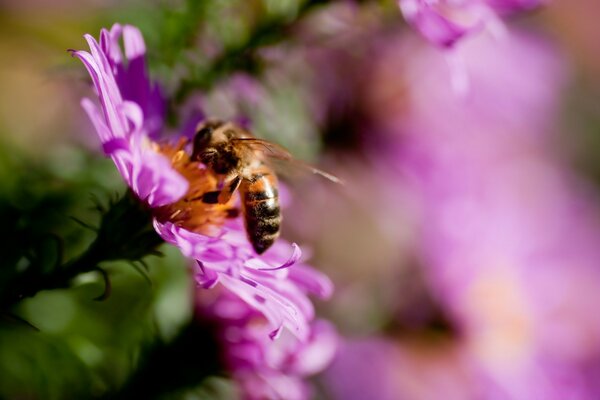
(262, 368)
(370, 368)
(161, 174)
(508, 238)
(445, 22)
(122, 124)
(511, 6)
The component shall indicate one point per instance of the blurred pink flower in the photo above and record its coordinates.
(512, 260)
(365, 369)
(381, 368)
(511, 6)
(515, 88)
(509, 238)
(445, 22)
(162, 175)
(265, 369)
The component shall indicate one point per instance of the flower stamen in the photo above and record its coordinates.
(190, 212)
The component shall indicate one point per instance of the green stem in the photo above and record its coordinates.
(125, 233)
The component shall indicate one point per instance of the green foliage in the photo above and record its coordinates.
(84, 347)
(63, 341)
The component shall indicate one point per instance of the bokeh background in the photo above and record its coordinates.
(464, 245)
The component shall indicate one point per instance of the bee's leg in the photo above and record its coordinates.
(210, 197)
(229, 190)
(222, 196)
(232, 213)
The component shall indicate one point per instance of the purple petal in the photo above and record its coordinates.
(122, 127)
(443, 22)
(512, 6)
(155, 181)
(267, 286)
(317, 353)
(311, 280)
(113, 120)
(109, 42)
(286, 288)
(265, 362)
(206, 278)
(98, 121)
(134, 42)
(297, 253)
(209, 250)
(276, 333)
(114, 145)
(108, 91)
(276, 309)
(133, 113)
(134, 82)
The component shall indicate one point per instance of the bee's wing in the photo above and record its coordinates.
(277, 152)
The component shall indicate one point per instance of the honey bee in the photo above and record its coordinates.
(240, 162)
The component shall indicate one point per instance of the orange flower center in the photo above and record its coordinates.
(190, 212)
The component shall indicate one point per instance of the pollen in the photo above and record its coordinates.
(190, 212)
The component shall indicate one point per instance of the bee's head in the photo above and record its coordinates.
(213, 148)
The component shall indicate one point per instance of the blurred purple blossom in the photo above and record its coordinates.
(366, 369)
(511, 6)
(162, 175)
(514, 266)
(515, 84)
(265, 369)
(513, 258)
(445, 22)
(508, 238)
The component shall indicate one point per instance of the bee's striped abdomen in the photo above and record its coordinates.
(260, 202)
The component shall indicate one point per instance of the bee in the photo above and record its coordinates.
(240, 162)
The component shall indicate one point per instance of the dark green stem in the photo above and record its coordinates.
(125, 233)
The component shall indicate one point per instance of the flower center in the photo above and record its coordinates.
(190, 212)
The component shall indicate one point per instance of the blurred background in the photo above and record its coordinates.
(464, 245)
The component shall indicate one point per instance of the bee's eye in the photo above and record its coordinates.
(201, 141)
(202, 137)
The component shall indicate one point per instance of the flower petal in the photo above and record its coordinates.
(443, 22)
(122, 128)
(297, 253)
